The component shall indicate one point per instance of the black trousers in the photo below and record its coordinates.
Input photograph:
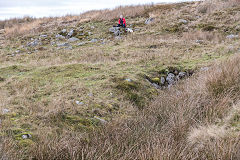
(123, 25)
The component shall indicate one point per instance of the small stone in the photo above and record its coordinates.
(60, 36)
(90, 94)
(204, 69)
(129, 30)
(128, 79)
(114, 29)
(101, 120)
(117, 33)
(5, 111)
(26, 136)
(64, 31)
(170, 79)
(94, 40)
(73, 39)
(162, 81)
(71, 33)
(79, 103)
(81, 43)
(231, 36)
(17, 51)
(63, 44)
(199, 41)
(43, 36)
(92, 27)
(149, 20)
(33, 44)
(156, 86)
(183, 21)
(69, 48)
(182, 75)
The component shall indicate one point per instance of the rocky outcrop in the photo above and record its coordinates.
(168, 78)
(149, 21)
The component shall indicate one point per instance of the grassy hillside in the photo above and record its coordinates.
(98, 97)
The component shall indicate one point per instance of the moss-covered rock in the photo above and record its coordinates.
(156, 80)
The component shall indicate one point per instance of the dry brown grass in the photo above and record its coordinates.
(209, 6)
(204, 36)
(17, 27)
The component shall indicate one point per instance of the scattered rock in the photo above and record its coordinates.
(90, 94)
(183, 21)
(26, 136)
(33, 44)
(72, 33)
(128, 79)
(60, 36)
(156, 86)
(94, 40)
(101, 120)
(199, 41)
(63, 44)
(43, 36)
(232, 36)
(171, 78)
(117, 33)
(182, 75)
(129, 30)
(115, 30)
(69, 48)
(17, 51)
(204, 69)
(81, 43)
(162, 80)
(63, 33)
(5, 111)
(73, 39)
(92, 27)
(149, 20)
(79, 103)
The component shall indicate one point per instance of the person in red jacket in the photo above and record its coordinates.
(122, 22)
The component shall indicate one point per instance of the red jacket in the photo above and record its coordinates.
(123, 19)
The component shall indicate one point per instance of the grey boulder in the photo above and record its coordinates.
(73, 39)
(63, 44)
(171, 78)
(231, 36)
(149, 20)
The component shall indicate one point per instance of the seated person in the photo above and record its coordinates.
(122, 22)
